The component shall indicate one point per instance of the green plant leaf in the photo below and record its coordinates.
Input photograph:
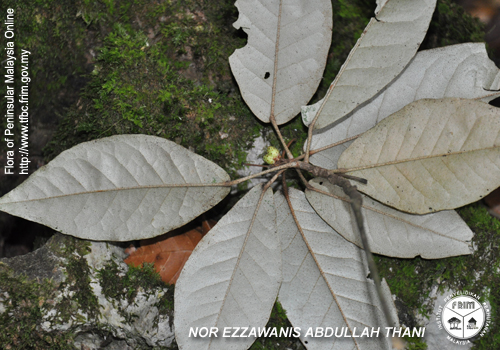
(119, 188)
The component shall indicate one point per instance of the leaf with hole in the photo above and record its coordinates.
(280, 68)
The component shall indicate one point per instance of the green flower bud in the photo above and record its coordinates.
(268, 159)
(272, 155)
(273, 152)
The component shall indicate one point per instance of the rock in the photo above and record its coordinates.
(82, 293)
(254, 156)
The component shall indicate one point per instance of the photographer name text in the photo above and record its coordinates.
(316, 332)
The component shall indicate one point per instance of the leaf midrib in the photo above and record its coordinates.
(321, 271)
(145, 187)
(407, 160)
(367, 207)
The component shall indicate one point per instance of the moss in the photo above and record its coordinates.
(57, 62)
(279, 321)
(20, 320)
(482, 270)
(33, 302)
(83, 297)
(415, 343)
(167, 77)
(79, 301)
(116, 286)
(452, 25)
(30, 299)
(413, 279)
(166, 303)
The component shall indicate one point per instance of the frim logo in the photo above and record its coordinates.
(463, 317)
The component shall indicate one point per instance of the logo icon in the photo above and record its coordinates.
(463, 317)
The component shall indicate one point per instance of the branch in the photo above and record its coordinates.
(280, 137)
(287, 165)
(313, 151)
(356, 203)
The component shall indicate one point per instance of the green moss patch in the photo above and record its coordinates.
(30, 299)
(161, 69)
(413, 279)
(279, 321)
(31, 305)
(117, 286)
(21, 318)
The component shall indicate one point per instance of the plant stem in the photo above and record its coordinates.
(249, 177)
(270, 182)
(280, 137)
(313, 151)
(356, 202)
